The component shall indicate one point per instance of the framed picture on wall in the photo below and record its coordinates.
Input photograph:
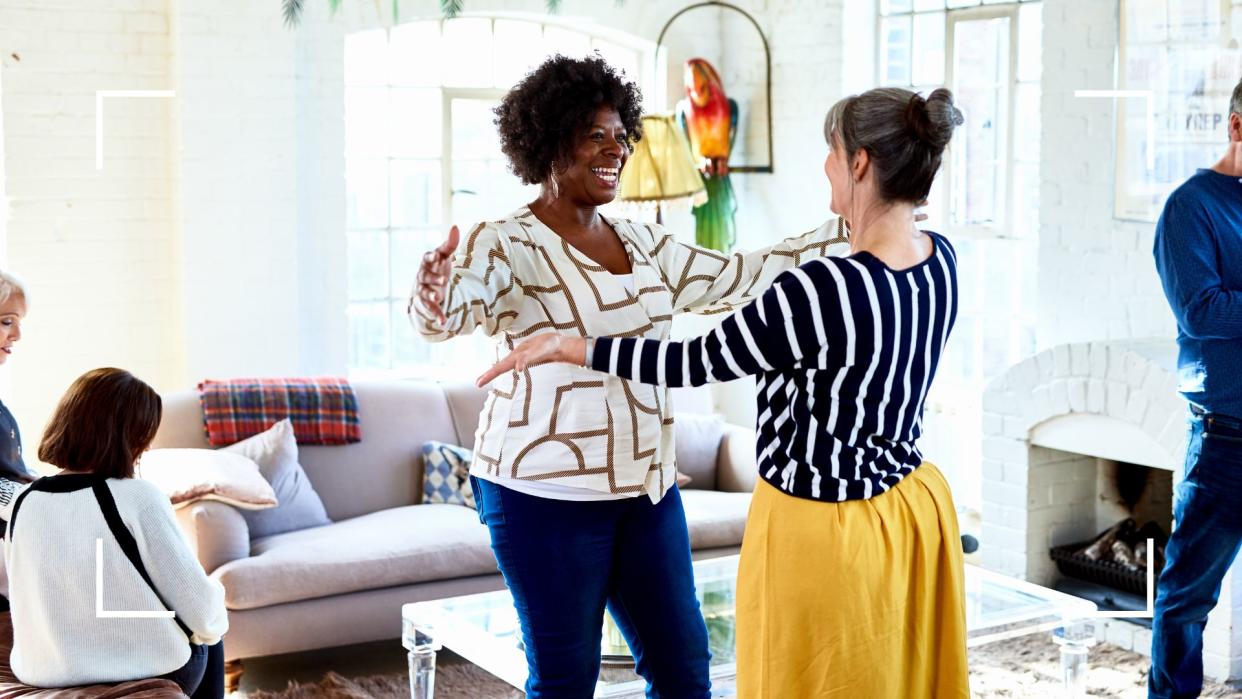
(1179, 63)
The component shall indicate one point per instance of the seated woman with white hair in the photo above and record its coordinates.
(12, 312)
(14, 476)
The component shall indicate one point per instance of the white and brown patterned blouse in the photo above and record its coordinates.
(568, 425)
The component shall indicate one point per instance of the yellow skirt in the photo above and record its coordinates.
(858, 599)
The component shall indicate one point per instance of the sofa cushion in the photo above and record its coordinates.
(189, 475)
(398, 546)
(446, 475)
(715, 519)
(698, 445)
(275, 450)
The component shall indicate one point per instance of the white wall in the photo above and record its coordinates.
(261, 160)
(1097, 278)
(210, 243)
(97, 247)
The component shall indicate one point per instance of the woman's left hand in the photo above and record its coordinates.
(540, 349)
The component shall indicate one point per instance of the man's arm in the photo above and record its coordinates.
(1188, 262)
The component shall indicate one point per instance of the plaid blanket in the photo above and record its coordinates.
(323, 410)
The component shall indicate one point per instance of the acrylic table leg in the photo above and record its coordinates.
(1075, 639)
(420, 642)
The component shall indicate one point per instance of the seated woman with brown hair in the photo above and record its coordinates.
(104, 587)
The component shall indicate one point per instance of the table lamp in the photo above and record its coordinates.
(661, 168)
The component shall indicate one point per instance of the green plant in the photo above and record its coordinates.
(292, 9)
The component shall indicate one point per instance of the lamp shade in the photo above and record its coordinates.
(661, 167)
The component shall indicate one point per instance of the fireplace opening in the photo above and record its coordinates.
(1133, 504)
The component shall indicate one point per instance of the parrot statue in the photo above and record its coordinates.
(709, 119)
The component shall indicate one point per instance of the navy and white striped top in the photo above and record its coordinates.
(844, 350)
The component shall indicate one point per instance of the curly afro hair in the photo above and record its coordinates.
(541, 116)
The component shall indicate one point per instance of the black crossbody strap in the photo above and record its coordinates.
(126, 540)
(13, 514)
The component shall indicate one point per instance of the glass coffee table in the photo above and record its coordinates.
(483, 629)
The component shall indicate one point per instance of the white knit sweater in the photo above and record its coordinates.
(58, 640)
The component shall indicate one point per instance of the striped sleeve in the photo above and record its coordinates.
(762, 336)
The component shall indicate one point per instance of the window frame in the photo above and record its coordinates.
(1005, 226)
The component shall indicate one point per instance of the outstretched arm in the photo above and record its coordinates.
(706, 281)
(475, 289)
(775, 331)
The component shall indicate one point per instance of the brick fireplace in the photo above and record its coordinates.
(1056, 427)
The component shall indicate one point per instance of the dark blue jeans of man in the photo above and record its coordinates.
(563, 561)
(1207, 532)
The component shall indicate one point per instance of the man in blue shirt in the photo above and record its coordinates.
(1199, 258)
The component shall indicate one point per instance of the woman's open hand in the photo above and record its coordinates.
(431, 285)
(540, 349)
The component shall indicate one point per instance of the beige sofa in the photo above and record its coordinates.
(345, 582)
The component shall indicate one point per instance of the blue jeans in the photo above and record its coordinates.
(202, 676)
(563, 561)
(1205, 540)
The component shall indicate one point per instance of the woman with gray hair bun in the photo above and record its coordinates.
(851, 579)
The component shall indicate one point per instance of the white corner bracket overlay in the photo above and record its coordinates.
(1149, 101)
(100, 613)
(99, 101)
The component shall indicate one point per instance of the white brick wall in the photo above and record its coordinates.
(96, 247)
(1097, 280)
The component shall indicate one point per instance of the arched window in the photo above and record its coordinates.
(422, 153)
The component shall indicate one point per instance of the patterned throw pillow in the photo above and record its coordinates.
(446, 474)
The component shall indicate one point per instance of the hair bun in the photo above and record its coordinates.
(932, 120)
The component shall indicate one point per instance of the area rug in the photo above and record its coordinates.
(1023, 667)
(459, 681)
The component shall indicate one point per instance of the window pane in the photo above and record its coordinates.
(408, 247)
(1026, 123)
(953, 4)
(416, 193)
(366, 120)
(366, 58)
(619, 57)
(474, 130)
(891, 6)
(408, 347)
(895, 51)
(415, 123)
(519, 48)
(566, 41)
(1030, 42)
(414, 55)
(467, 52)
(929, 48)
(368, 335)
(366, 192)
(485, 190)
(368, 264)
(981, 60)
(923, 5)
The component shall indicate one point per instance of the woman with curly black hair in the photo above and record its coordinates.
(574, 471)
